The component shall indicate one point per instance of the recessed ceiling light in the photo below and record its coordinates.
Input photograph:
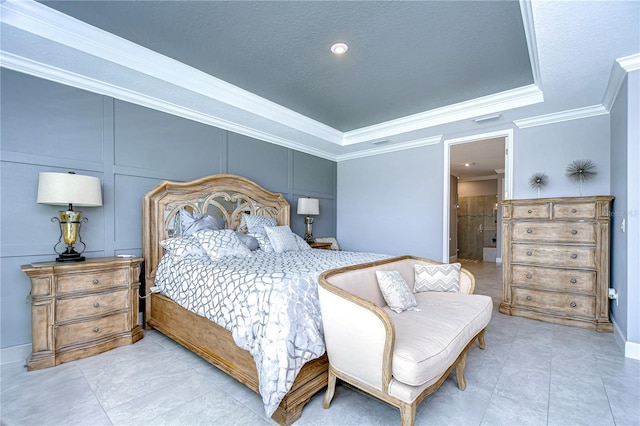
(339, 48)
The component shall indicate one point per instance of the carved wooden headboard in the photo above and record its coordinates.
(224, 196)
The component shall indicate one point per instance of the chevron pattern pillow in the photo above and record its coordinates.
(437, 278)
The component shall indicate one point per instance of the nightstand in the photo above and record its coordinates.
(320, 246)
(82, 309)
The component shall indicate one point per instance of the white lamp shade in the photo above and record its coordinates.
(308, 206)
(62, 189)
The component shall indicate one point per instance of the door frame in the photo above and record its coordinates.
(507, 134)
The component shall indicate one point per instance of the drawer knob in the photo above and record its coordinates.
(529, 211)
(529, 297)
(96, 305)
(96, 329)
(574, 256)
(529, 253)
(573, 304)
(573, 281)
(574, 211)
(96, 281)
(529, 230)
(574, 232)
(529, 276)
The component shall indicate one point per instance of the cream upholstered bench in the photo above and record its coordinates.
(399, 358)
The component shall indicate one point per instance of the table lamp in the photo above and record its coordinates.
(69, 189)
(308, 207)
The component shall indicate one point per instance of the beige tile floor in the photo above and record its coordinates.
(530, 373)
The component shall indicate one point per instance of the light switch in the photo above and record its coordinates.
(623, 225)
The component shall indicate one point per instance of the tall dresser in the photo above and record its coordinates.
(556, 260)
(83, 308)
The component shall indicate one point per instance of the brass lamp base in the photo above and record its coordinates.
(308, 236)
(70, 222)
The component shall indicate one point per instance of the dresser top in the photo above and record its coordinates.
(590, 199)
(99, 262)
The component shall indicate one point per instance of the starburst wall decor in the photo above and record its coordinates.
(538, 181)
(581, 171)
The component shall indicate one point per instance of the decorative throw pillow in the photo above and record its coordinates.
(193, 222)
(437, 278)
(248, 240)
(221, 243)
(256, 223)
(263, 242)
(396, 291)
(183, 246)
(281, 238)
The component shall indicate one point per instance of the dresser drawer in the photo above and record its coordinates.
(86, 331)
(95, 304)
(92, 281)
(531, 211)
(580, 232)
(574, 211)
(554, 279)
(551, 255)
(561, 303)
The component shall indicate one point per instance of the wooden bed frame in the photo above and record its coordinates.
(226, 196)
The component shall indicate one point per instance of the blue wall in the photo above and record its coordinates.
(51, 127)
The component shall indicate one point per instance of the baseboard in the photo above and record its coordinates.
(630, 349)
(18, 353)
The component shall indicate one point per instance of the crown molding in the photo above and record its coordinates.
(48, 72)
(526, 11)
(38, 19)
(558, 117)
(620, 68)
(433, 140)
(485, 105)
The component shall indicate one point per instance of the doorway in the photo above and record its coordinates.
(478, 175)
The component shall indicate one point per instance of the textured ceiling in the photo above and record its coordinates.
(403, 58)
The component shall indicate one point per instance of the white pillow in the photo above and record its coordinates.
(395, 291)
(256, 223)
(444, 278)
(183, 246)
(221, 243)
(281, 238)
(263, 242)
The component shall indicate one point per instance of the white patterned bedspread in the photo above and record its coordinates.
(269, 302)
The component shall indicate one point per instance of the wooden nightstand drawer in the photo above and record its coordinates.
(94, 304)
(552, 255)
(321, 245)
(554, 231)
(86, 331)
(92, 281)
(562, 303)
(531, 211)
(574, 211)
(555, 279)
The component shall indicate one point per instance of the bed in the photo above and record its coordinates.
(228, 198)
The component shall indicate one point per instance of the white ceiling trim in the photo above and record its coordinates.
(433, 140)
(478, 178)
(526, 11)
(48, 72)
(485, 105)
(50, 24)
(557, 117)
(620, 69)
